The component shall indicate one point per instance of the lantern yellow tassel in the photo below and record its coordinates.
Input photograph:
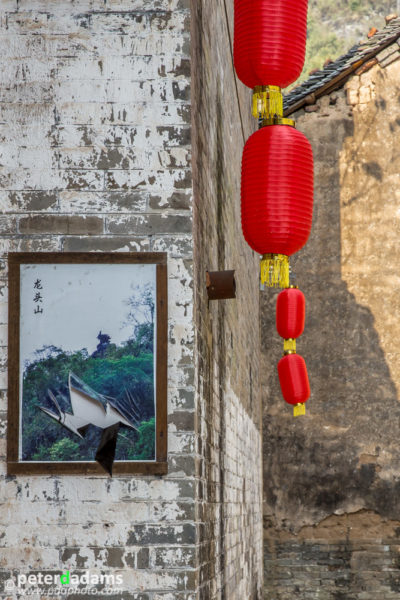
(299, 410)
(289, 344)
(275, 270)
(267, 101)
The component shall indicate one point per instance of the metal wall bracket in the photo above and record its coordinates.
(221, 285)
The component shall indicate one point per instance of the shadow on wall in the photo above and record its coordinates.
(344, 456)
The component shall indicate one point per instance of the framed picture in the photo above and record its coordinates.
(87, 378)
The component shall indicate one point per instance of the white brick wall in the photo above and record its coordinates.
(94, 123)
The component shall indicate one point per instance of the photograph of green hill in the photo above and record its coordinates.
(87, 361)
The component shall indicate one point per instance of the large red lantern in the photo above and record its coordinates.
(293, 378)
(269, 41)
(290, 313)
(277, 197)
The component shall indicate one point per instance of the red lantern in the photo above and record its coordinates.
(277, 192)
(290, 313)
(269, 41)
(293, 378)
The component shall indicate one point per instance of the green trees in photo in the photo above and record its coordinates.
(113, 372)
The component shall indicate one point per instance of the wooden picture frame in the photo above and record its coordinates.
(55, 302)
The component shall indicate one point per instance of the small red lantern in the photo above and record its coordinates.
(277, 197)
(269, 41)
(290, 313)
(293, 378)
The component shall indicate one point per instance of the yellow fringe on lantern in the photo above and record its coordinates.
(278, 121)
(289, 344)
(299, 410)
(267, 101)
(275, 270)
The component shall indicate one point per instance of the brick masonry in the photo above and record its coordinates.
(95, 155)
(227, 345)
(97, 131)
(331, 479)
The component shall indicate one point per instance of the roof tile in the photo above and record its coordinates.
(334, 74)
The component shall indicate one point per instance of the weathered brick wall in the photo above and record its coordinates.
(227, 331)
(96, 141)
(95, 151)
(331, 479)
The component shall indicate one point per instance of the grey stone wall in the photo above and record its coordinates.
(95, 155)
(227, 343)
(331, 479)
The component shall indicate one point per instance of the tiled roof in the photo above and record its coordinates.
(359, 58)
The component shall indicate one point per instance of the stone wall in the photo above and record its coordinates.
(96, 133)
(95, 155)
(227, 331)
(332, 478)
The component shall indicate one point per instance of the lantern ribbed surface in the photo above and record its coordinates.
(277, 190)
(290, 313)
(293, 378)
(269, 41)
